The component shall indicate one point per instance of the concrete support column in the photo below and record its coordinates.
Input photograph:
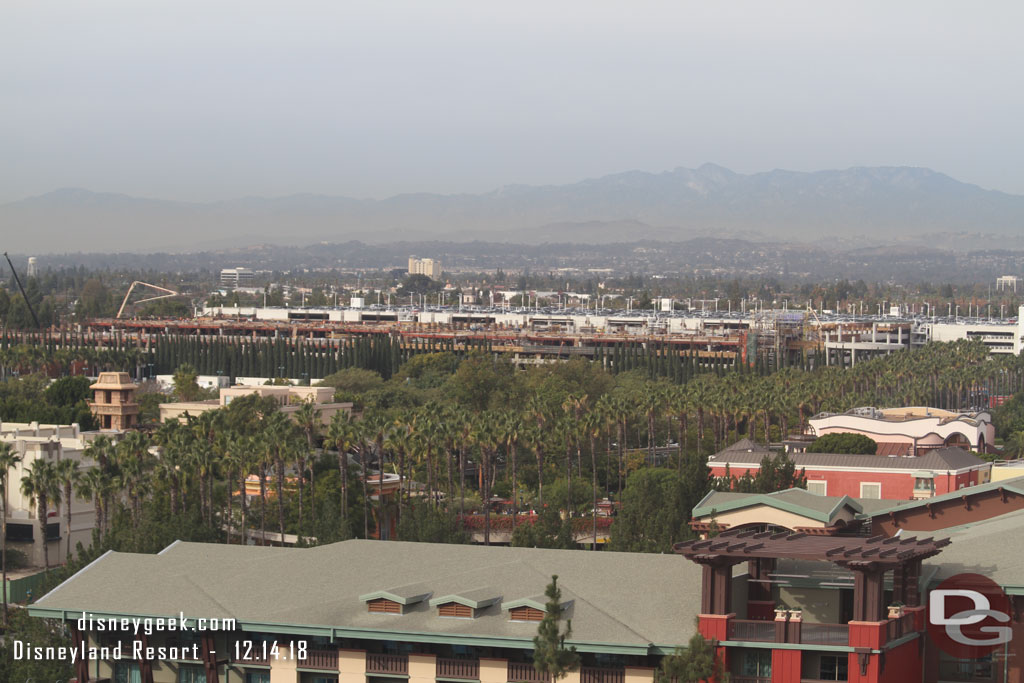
(284, 669)
(493, 670)
(639, 674)
(352, 666)
(422, 668)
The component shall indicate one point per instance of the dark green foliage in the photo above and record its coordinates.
(427, 524)
(693, 664)
(550, 655)
(549, 531)
(776, 473)
(655, 512)
(844, 443)
(28, 399)
(40, 633)
(1009, 417)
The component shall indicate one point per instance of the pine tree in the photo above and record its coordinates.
(549, 652)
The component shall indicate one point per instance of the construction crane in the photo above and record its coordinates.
(23, 294)
(170, 293)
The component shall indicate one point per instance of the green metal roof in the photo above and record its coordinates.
(797, 501)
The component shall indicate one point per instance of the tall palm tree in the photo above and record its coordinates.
(376, 429)
(486, 436)
(41, 486)
(280, 432)
(93, 484)
(343, 433)
(8, 459)
(68, 473)
(309, 421)
(593, 425)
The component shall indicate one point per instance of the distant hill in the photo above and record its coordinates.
(877, 204)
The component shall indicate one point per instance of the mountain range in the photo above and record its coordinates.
(861, 205)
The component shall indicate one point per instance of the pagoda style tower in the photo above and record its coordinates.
(113, 401)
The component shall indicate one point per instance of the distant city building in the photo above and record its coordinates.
(236, 277)
(1006, 282)
(33, 268)
(425, 266)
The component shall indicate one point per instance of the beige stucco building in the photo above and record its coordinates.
(33, 441)
(289, 398)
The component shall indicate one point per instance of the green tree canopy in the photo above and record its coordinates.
(843, 443)
(655, 512)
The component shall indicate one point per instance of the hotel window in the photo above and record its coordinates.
(833, 668)
(924, 484)
(257, 677)
(191, 674)
(757, 663)
(871, 490)
(127, 672)
(818, 487)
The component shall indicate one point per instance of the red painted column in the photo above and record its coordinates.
(786, 666)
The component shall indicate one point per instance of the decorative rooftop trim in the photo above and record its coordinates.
(404, 595)
(536, 602)
(478, 599)
(740, 545)
(777, 500)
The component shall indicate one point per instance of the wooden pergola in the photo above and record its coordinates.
(868, 558)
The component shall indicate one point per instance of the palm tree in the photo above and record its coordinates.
(538, 411)
(377, 427)
(343, 433)
(308, 419)
(94, 484)
(280, 432)
(593, 425)
(41, 486)
(8, 459)
(68, 473)
(486, 436)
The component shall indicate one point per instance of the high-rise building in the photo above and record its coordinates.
(425, 266)
(236, 277)
(32, 266)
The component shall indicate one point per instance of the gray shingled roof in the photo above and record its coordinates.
(621, 599)
(940, 459)
(990, 547)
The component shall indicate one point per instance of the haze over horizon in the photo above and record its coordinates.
(201, 102)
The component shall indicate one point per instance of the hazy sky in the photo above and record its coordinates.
(208, 100)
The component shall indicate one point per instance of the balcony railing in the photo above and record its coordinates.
(523, 672)
(752, 630)
(825, 634)
(595, 674)
(254, 657)
(897, 628)
(386, 664)
(326, 660)
(184, 647)
(465, 669)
